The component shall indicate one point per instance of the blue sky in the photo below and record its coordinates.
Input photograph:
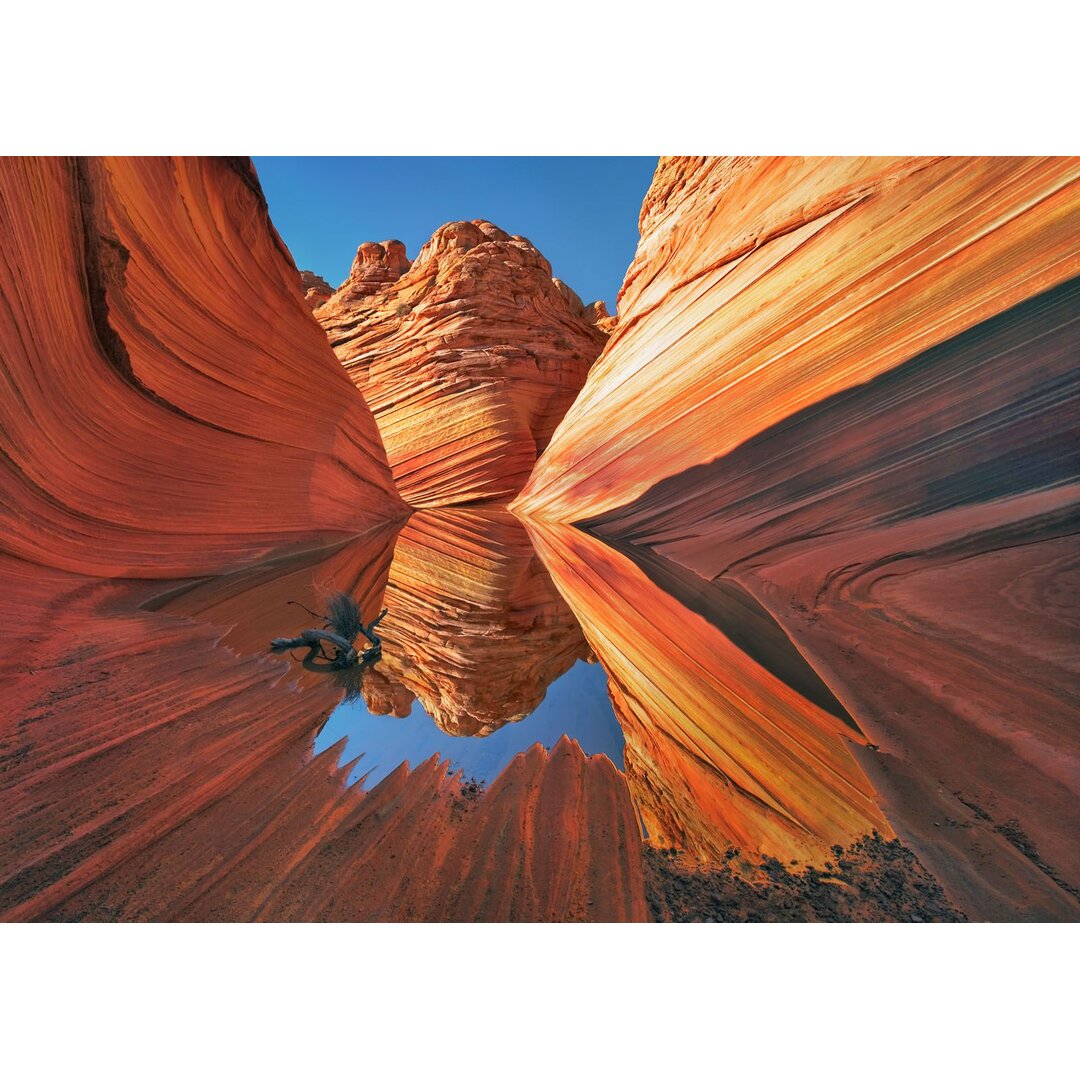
(581, 212)
(576, 704)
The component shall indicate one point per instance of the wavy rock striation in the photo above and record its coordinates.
(468, 356)
(157, 766)
(477, 629)
(762, 286)
(731, 740)
(848, 387)
(169, 406)
(172, 411)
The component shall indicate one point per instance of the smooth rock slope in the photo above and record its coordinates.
(169, 405)
(849, 388)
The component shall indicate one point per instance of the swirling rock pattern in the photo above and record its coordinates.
(468, 356)
(170, 407)
(849, 387)
(157, 765)
(172, 411)
(825, 502)
(726, 746)
(478, 630)
(762, 286)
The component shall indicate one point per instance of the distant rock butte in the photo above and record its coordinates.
(848, 387)
(316, 290)
(469, 356)
(171, 408)
(375, 266)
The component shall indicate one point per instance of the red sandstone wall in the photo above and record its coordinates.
(849, 387)
(170, 407)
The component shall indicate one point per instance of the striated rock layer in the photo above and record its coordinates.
(316, 289)
(731, 741)
(169, 406)
(154, 765)
(848, 387)
(172, 411)
(477, 630)
(468, 356)
(762, 286)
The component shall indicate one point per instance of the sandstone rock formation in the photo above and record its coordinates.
(597, 314)
(478, 631)
(170, 407)
(156, 764)
(375, 267)
(727, 744)
(815, 508)
(173, 411)
(762, 286)
(848, 386)
(316, 289)
(468, 356)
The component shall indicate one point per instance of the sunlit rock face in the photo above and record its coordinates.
(170, 406)
(468, 356)
(477, 631)
(157, 764)
(731, 741)
(316, 289)
(761, 286)
(375, 267)
(849, 387)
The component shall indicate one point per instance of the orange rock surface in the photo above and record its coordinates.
(468, 356)
(476, 630)
(173, 411)
(848, 388)
(153, 768)
(815, 510)
(316, 289)
(170, 407)
(762, 286)
(723, 749)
